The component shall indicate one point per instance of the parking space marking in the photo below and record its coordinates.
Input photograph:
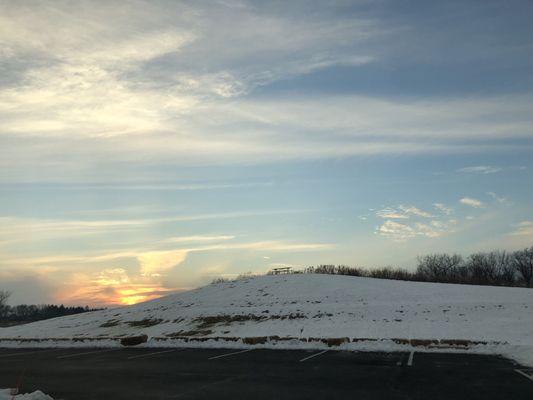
(28, 353)
(528, 376)
(151, 354)
(410, 360)
(313, 355)
(86, 353)
(230, 354)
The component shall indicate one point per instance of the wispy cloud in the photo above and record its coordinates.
(469, 201)
(401, 232)
(480, 169)
(524, 228)
(116, 77)
(499, 199)
(402, 212)
(396, 231)
(416, 222)
(412, 210)
(154, 263)
(110, 283)
(443, 208)
(391, 213)
(163, 257)
(198, 239)
(17, 228)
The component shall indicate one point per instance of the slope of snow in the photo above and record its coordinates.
(311, 306)
(9, 394)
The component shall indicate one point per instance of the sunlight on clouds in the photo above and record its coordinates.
(402, 232)
(418, 223)
(167, 85)
(87, 100)
(143, 280)
(154, 263)
(396, 231)
(111, 286)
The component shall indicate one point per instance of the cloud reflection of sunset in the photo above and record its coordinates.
(138, 294)
(113, 295)
(111, 287)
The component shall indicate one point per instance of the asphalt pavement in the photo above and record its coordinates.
(142, 373)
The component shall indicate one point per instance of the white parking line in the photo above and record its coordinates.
(87, 353)
(28, 352)
(230, 354)
(410, 360)
(313, 355)
(530, 377)
(151, 354)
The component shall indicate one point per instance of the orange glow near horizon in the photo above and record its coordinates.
(133, 296)
(112, 295)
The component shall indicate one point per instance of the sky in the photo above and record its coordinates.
(148, 147)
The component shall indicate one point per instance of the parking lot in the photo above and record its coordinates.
(137, 373)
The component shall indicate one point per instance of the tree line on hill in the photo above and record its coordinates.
(496, 268)
(23, 313)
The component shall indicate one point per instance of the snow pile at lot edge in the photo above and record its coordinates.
(9, 394)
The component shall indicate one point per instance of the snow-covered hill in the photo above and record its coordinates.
(306, 308)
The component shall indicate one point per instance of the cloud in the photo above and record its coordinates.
(443, 208)
(153, 263)
(272, 245)
(499, 199)
(391, 213)
(198, 238)
(126, 276)
(93, 289)
(13, 229)
(412, 210)
(27, 287)
(418, 223)
(90, 91)
(150, 259)
(480, 169)
(524, 228)
(170, 186)
(436, 228)
(472, 202)
(396, 231)
(402, 232)
(402, 212)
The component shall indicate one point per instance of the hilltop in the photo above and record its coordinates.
(303, 309)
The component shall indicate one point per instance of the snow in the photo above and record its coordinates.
(10, 394)
(303, 308)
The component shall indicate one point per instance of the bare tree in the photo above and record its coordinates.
(523, 262)
(4, 296)
(506, 272)
(493, 268)
(481, 268)
(440, 267)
